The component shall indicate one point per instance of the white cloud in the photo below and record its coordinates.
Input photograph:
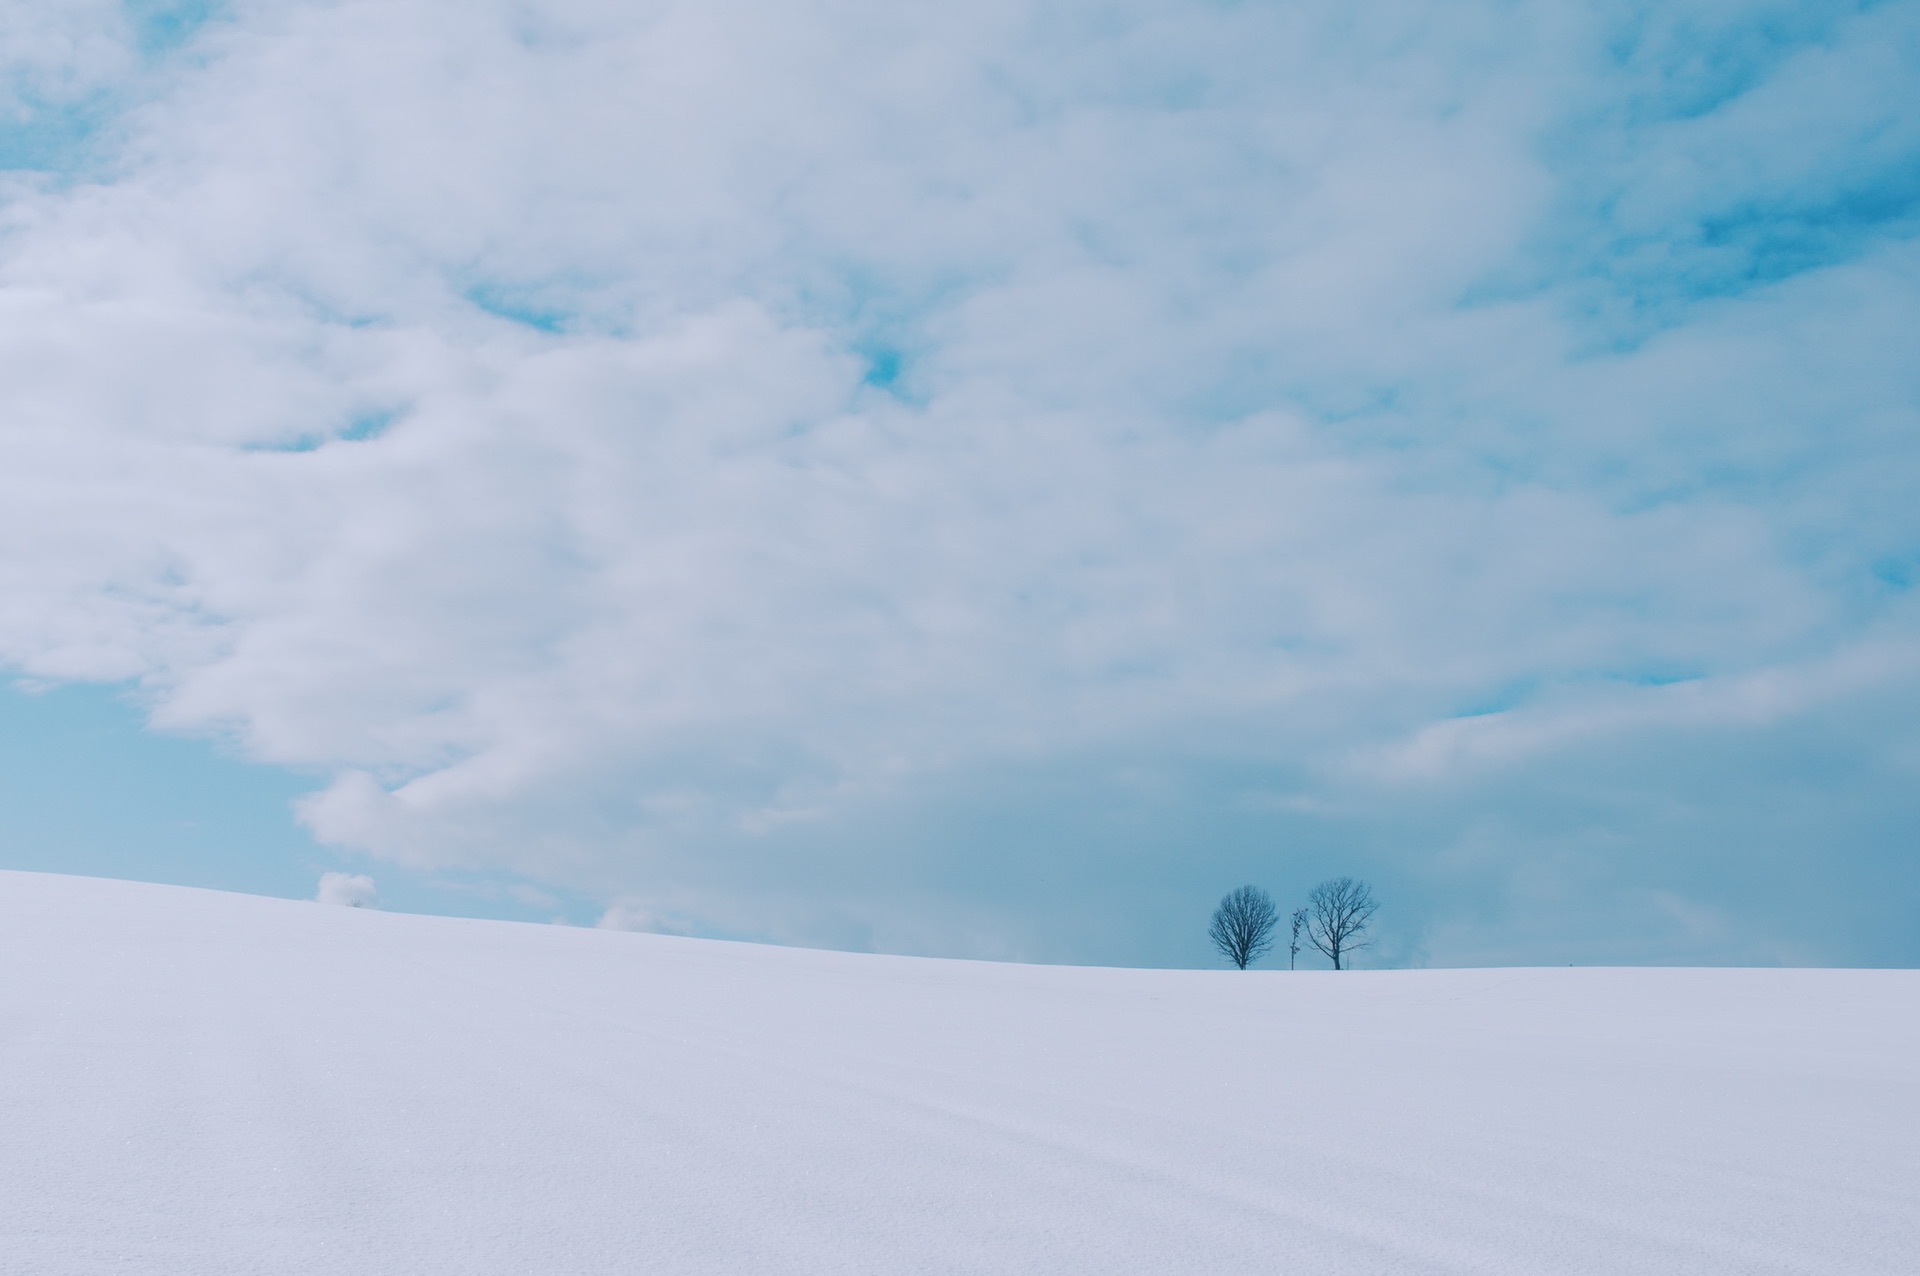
(473, 403)
(1762, 699)
(350, 890)
(53, 54)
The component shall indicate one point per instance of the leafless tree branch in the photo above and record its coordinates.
(1242, 927)
(1338, 911)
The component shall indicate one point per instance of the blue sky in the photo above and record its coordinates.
(89, 790)
(86, 788)
(983, 482)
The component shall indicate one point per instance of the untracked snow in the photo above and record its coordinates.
(204, 1083)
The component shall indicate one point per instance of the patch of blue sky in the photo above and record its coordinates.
(161, 26)
(368, 425)
(1722, 159)
(884, 308)
(52, 138)
(359, 429)
(1775, 241)
(891, 370)
(1660, 677)
(519, 307)
(1690, 64)
(1896, 572)
(304, 443)
(1501, 699)
(1522, 691)
(1632, 285)
(87, 789)
(1756, 242)
(883, 367)
(62, 135)
(1631, 290)
(455, 893)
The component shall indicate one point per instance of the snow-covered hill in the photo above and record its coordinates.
(204, 1083)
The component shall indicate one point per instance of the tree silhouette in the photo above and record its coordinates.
(1338, 911)
(1242, 927)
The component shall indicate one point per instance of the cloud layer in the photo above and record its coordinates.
(989, 480)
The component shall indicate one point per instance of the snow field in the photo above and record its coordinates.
(205, 1083)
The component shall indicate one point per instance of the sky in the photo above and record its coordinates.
(980, 480)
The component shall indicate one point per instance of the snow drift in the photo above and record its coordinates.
(209, 1083)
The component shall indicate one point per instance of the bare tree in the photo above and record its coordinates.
(1242, 927)
(1299, 920)
(1337, 915)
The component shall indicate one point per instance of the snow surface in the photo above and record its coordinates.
(205, 1083)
